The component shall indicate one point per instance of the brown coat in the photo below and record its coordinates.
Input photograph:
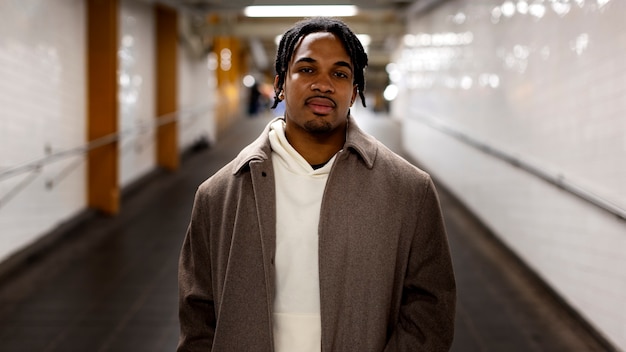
(386, 278)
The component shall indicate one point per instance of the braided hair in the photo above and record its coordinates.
(290, 39)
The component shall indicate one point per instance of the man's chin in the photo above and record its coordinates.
(318, 126)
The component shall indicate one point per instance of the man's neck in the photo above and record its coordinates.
(316, 148)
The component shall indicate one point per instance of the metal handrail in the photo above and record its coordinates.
(34, 167)
(39, 163)
(558, 180)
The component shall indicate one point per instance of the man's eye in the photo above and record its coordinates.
(306, 70)
(341, 75)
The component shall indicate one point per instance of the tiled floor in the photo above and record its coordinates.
(111, 284)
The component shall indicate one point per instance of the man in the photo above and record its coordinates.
(317, 237)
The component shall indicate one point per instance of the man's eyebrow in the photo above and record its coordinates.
(343, 64)
(312, 60)
(305, 59)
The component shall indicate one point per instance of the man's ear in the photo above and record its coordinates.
(355, 91)
(276, 87)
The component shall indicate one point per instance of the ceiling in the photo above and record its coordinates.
(383, 20)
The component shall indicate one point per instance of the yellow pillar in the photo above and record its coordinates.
(166, 85)
(228, 73)
(102, 162)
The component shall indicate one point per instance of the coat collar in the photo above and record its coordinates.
(356, 140)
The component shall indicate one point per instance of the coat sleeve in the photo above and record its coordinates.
(196, 303)
(427, 310)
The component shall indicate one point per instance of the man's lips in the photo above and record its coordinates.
(320, 105)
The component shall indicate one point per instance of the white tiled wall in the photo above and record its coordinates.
(42, 111)
(196, 82)
(544, 81)
(136, 87)
(196, 95)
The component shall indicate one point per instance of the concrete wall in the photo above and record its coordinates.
(545, 83)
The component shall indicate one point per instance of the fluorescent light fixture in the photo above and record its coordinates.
(300, 11)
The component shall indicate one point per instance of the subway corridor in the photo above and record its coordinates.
(109, 283)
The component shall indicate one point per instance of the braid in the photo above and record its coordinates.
(290, 39)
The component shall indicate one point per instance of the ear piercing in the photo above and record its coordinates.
(281, 96)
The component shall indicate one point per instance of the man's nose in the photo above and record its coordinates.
(323, 84)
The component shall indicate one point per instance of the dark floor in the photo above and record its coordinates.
(110, 285)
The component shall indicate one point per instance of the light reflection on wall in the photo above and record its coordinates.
(580, 44)
(135, 87)
(212, 63)
(130, 83)
(537, 9)
(424, 56)
(426, 53)
(225, 59)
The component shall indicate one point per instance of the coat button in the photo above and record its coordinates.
(263, 174)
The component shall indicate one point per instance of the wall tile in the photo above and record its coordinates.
(136, 87)
(42, 92)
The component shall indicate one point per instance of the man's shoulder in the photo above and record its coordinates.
(220, 179)
(227, 174)
(390, 160)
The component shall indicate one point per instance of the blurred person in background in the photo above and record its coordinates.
(317, 237)
(254, 99)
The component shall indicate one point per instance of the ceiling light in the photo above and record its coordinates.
(300, 11)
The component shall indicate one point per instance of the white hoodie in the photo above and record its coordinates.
(299, 190)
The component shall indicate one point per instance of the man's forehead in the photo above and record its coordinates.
(315, 36)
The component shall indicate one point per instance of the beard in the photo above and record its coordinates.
(318, 126)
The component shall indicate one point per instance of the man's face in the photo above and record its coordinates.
(319, 86)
